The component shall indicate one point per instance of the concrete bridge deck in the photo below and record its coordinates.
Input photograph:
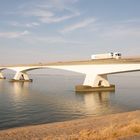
(96, 71)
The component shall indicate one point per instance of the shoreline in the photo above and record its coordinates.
(113, 126)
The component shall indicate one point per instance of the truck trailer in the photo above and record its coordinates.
(111, 55)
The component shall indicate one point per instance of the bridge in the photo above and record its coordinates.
(96, 71)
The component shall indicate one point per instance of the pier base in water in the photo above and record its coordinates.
(2, 77)
(84, 88)
(14, 80)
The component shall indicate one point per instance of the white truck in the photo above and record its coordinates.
(111, 55)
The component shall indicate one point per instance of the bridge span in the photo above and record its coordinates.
(95, 71)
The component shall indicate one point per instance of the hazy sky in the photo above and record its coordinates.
(33, 31)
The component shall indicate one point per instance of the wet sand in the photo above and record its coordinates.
(116, 126)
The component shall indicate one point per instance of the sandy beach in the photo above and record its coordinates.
(116, 126)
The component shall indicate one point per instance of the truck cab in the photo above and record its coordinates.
(117, 55)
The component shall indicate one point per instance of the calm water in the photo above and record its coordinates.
(52, 98)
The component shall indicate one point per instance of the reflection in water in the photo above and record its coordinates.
(96, 101)
(2, 85)
(20, 87)
(19, 92)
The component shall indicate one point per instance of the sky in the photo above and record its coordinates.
(41, 31)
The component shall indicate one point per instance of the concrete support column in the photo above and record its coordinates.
(21, 76)
(96, 80)
(1, 76)
(95, 83)
(17, 76)
(89, 80)
(101, 80)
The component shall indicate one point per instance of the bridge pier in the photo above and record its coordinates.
(21, 77)
(1, 76)
(94, 82)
